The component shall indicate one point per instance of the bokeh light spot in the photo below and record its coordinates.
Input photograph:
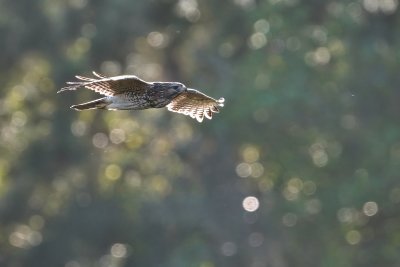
(256, 239)
(257, 40)
(78, 128)
(100, 140)
(113, 172)
(25, 237)
(250, 203)
(289, 219)
(156, 40)
(36, 222)
(389, 6)
(294, 185)
(318, 154)
(353, 237)
(257, 169)
(322, 56)
(18, 119)
(319, 34)
(228, 249)
(320, 158)
(370, 208)
(250, 154)
(371, 6)
(133, 179)
(351, 215)
(188, 9)
(118, 250)
(346, 215)
(313, 206)
(243, 170)
(117, 136)
(261, 25)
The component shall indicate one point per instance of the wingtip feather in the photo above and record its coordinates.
(63, 89)
(208, 114)
(221, 101)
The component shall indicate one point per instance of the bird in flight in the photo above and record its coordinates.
(130, 92)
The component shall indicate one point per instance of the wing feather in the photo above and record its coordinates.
(99, 75)
(195, 104)
(108, 86)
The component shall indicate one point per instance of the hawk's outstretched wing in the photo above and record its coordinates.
(195, 104)
(108, 86)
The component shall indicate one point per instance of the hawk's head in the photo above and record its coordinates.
(178, 87)
(169, 90)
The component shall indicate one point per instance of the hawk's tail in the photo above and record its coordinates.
(100, 103)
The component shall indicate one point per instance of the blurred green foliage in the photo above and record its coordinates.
(301, 167)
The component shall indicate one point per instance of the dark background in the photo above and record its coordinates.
(300, 168)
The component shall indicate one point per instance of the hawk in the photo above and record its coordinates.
(126, 92)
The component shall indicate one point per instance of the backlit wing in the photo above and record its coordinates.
(195, 104)
(108, 86)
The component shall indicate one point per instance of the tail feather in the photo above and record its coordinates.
(95, 104)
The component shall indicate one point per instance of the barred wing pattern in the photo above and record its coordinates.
(195, 104)
(108, 86)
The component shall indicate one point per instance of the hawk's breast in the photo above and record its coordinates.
(161, 97)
